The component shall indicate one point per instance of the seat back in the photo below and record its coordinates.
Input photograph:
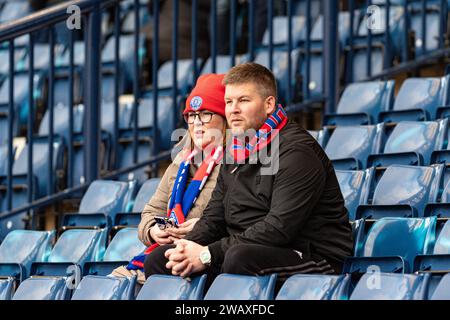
(366, 97)
(355, 142)
(389, 286)
(162, 287)
(26, 246)
(417, 136)
(61, 121)
(124, 246)
(105, 196)
(145, 194)
(404, 237)
(280, 37)
(223, 63)
(442, 291)
(6, 288)
(42, 288)
(421, 93)
(239, 287)
(309, 287)
(442, 245)
(355, 186)
(105, 288)
(418, 185)
(79, 246)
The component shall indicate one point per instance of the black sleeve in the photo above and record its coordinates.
(211, 226)
(298, 185)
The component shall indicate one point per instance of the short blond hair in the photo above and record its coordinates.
(255, 73)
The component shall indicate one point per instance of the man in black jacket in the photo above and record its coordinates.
(291, 221)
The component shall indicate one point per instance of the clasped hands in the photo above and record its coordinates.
(184, 259)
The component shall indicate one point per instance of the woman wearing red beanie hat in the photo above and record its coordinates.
(185, 201)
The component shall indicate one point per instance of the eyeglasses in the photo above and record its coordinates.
(204, 117)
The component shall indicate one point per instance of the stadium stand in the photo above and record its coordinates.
(80, 131)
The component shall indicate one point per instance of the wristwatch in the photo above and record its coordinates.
(205, 257)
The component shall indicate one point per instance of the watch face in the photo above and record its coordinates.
(205, 257)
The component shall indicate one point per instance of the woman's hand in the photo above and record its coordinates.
(183, 229)
(160, 236)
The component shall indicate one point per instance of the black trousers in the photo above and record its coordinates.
(248, 259)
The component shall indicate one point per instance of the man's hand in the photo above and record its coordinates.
(182, 229)
(184, 259)
(160, 236)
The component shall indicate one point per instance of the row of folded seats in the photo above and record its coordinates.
(403, 230)
(399, 258)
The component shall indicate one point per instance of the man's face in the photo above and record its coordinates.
(245, 108)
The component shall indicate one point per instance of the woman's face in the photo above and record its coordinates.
(204, 133)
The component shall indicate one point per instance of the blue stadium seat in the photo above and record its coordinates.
(349, 146)
(418, 99)
(41, 164)
(280, 34)
(390, 286)
(73, 249)
(21, 248)
(3, 128)
(162, 287)
(127, 25)
(392, 244)
(361, 103)
(359, 61)
(439, 259)
(42, 288)
(105, 288)
(6, 288)
(239, 287)
(4, 159)
(403, 191)
(100, 204)
(314, 287)
(62, 60)
(442, 291)
(321, 136)
(13, 10)
(124, 246)
(185, 77)
(355, 187)
(142, 198)
(432, 16)
(412, 143)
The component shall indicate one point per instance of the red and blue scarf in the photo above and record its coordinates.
(273, 124)
(183, 199)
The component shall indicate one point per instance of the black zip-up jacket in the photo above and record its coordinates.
(300, 207)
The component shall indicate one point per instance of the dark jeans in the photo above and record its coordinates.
(248, 259)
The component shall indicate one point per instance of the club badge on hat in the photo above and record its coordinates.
(196, 103)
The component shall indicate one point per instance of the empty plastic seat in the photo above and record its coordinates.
(42, 288)
(21, 248)
(439, 259)
(162, 287)
(392, 244)
(239, 287)
(442, 291)
(412, 143)
(390, 286)
(100, 204)
(3, 160)
(349, 146)
(314, 287)
(72, 250)
(142, 198)
(403, 191)
(355, 187)
(105, 288)
(13, 10)
(185, 77)
(3, 128)
(61, 121)
(280, 34)
(6, 288)
(432, 20)
(41, 165)
(418, 99)
(361, 103)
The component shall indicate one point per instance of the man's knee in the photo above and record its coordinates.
(238, 260)
(155, 262)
